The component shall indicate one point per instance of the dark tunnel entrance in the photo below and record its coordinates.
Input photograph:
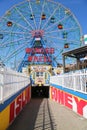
(40, 92)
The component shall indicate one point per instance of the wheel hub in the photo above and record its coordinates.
(37, 33)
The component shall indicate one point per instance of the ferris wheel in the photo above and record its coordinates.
(37, 24)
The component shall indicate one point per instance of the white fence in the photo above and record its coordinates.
(74, 80)
(11, 82)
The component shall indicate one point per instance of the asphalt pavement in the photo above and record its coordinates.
(45, 114)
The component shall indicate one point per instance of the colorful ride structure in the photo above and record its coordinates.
(37, 32)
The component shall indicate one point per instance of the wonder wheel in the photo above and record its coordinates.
(37, 32)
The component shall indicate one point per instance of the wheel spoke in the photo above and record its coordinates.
(16, 51)
(50, 17)
(10, 42)
(18, 25)
(23, 17)
(13, 32)
(70, 41)
(29, 5)
(39, 27)
(56, 23)
(55, 31)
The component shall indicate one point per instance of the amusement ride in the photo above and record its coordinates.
(34, 34)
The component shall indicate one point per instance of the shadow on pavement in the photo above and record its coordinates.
(36, 115)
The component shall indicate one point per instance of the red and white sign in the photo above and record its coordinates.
(17, 105)
(75, 103)
(39, 59)
(40, 50)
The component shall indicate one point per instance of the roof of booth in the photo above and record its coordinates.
(78, 52)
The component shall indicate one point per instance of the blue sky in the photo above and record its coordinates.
(77, 7)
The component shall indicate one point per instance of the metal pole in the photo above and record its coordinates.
(63, 64)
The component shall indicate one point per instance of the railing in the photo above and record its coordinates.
(75, 80)
(11, 82)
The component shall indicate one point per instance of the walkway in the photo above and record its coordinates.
(44, 114)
